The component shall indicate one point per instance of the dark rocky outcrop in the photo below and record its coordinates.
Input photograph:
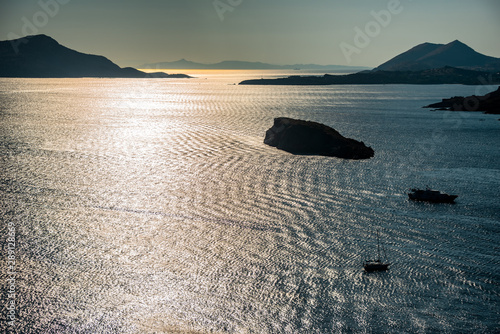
(489, 103)
(41, 56)
(311, 138)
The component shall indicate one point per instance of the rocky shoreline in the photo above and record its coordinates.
(489, 103)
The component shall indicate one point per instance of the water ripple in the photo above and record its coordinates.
(145, 207)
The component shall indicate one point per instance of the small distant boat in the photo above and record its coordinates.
(429, 195)
(375, 265)
(378, 264)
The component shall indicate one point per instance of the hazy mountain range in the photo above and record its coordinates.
(246, 65)
(41, 56)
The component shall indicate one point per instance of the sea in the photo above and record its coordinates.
(153, 206)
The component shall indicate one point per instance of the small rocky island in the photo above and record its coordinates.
(311, 138)
(489, 103)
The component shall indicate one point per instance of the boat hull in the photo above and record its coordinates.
(371, 266)
(431, 196)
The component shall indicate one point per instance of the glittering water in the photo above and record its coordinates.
(149, 206)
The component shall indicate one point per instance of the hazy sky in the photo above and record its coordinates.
(132, 32)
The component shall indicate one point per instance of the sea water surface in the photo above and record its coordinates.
(153, 206)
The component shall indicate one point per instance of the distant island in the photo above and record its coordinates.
(40, 56)
(445, 75)
(489, 103)
(246, 65)
(425, 64)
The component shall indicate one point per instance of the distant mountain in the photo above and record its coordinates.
(41, 56)
(445, 75)
(246, 65)
(428, 56)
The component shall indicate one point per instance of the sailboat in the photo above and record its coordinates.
(378, 264)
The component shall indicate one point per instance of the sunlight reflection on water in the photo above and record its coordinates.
(149, 206)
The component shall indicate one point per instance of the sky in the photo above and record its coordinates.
(326, 32)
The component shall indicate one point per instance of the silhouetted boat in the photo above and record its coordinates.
(429, 195)
(378, 264)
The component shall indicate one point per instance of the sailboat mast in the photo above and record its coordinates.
(378, 246)
(376, 265)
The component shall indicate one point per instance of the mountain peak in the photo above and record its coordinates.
(40, 38)
(457, 44)
(429, 56)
